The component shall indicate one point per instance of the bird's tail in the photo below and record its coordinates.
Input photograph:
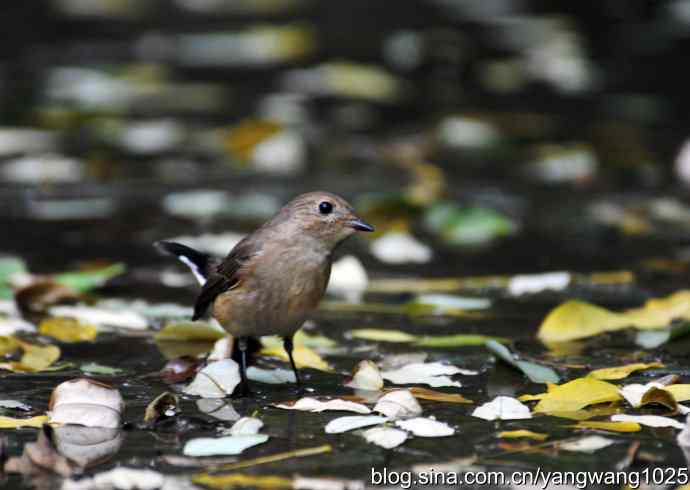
(198, 262)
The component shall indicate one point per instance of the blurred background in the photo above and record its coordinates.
(498, 136)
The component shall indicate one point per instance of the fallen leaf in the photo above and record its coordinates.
(190, 331)
(681, 392)
(86, 280)
(438, 396)
(535, 372)
(621, 372)
(246, 426)
(588, 444)
(218, 408)
(398, 404)
(434, 374)
(68, 330)
(271, 376)
(163, 406)
(120, 477)
(216, 380)
(179, 369)
(502, 408)
(309, 404)
(577, 394)
(576, 320)
(36, 358)
(8, 345)
(228, 445)
(233, 480)
(41, 293)
(272, 458)
(426, 427)
(648, 420)
(304, 357)
(12, 423)
(447, 304)
(536, 283)
(610, 426)
(522, 433)
(386, 437)
(95, 368)
(367, 376)
(348, 280)
(83, 401)
(15, 405)
(102, 316)
(458, 340)
(400, 248)
(382, 335)
(351, 422)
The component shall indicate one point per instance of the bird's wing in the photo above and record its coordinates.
(226, 276)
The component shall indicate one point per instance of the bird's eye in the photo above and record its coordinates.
(325, 207)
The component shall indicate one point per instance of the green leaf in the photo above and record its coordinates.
(84, 281)
(94, 368)
(8, 266)
(535, 372)
(467, 226)
(458, 340)
(651, 339)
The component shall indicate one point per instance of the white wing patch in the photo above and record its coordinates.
(198, 274)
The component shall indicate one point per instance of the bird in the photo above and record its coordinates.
(271, 281)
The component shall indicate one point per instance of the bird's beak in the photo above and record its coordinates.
(360, 225)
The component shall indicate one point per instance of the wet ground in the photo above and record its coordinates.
(150, 137)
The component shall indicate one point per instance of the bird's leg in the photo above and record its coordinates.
(287, 345)
(244, 384)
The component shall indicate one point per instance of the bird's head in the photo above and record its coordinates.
(325, 216)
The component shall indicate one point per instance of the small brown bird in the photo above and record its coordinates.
(276, 276)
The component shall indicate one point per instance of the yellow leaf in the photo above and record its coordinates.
(437, 396)
(531, 398)
(610, 426)
(68, 330)
(577, 320)
(189, 331)
(12, 423)
(680, 392)
(522, 433)
(7, 345)
(577, 394)
(303, 355)
(382, 335)
(232, 480)
(621, 372)
(588, 413)
(35, 358)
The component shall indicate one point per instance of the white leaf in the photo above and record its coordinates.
(587, 444)
(350, 422)
(309, 404)
(86, 402)
(386, 437)
(217, 380)
(434, 374)
(446, 302)
(536, 283)
(398, 404)
(400, 248)
(85, 445)
(503, 408)
(218, 408)
(426, 427)
(227, 446)
(309, 483)
(246, 426)
(633, 393)
(366, 377)
(15, 405)
(102, 317)
(222, 349)
(348, 279)
(121, 478)
(649, 420)
(395, 361)
(271, 376)
(13, 324)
